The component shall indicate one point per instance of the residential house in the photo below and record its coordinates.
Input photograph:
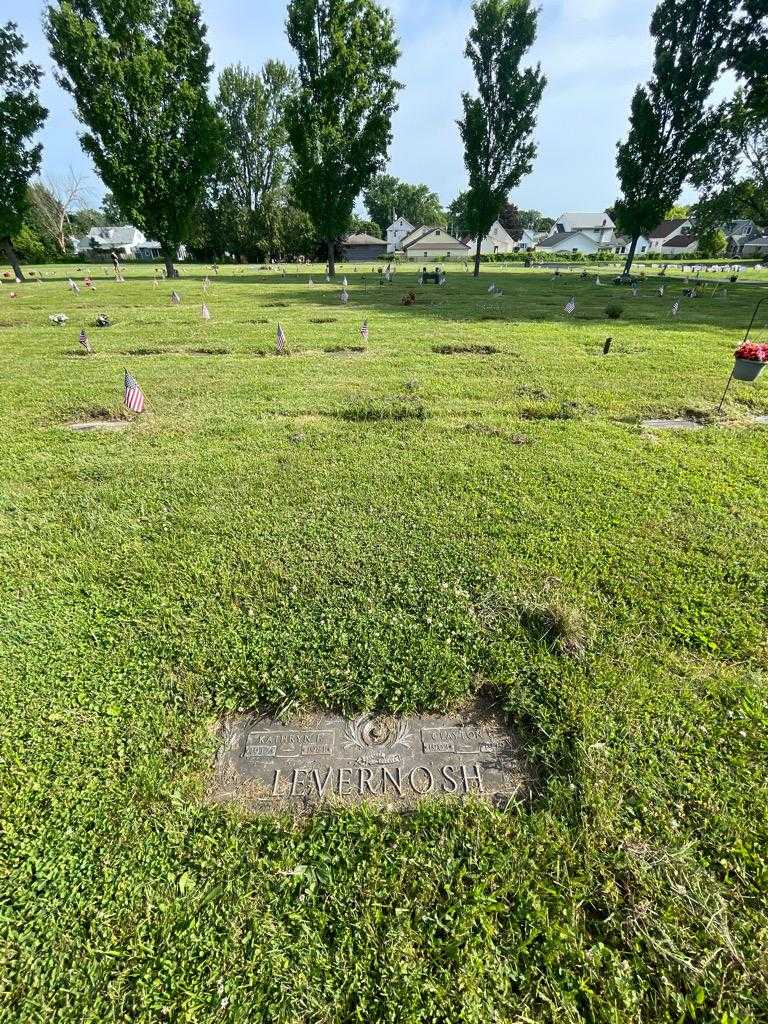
(433, 244)
(362, 248)
(738, 233)
(397, 231)
(501, 240)
(755, 248)
(570, 241)
(597, 226)
(127, 241)
(585, 233)
(621, 245)
(662, 239)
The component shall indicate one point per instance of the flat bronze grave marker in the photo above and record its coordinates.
(318, 759)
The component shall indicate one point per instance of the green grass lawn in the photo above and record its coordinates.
(396, 529)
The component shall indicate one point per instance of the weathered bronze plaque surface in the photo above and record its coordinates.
(265, 764)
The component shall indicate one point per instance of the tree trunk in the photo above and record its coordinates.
(170, 271)
(477, 255)
(331, 257)
(13, 259)
(631, 255)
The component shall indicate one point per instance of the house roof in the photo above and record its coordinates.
(667, 228)
(763, 242)
(586, 220)
(449, 243)
(561, 236)
(681, 241)
(441, 246)
(402, 221)
(363, 239)
(739, 227)
(125, 234)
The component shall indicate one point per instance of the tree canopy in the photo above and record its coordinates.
(498, 123)
(669, 124)
(339, 122)
(21, 117)
(387, 196)
(139, 73)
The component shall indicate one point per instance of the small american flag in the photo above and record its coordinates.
(661, 292)
(133, 396)
(175, 298)
(280, 340)
(598, 282)
(364, 331)
(206, 284)
(570, 306)
(344, 283)
(83, 339)
(675, 309)
(344, 297)
(206, 312)
(310, 281)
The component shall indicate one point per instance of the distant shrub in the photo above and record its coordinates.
(613, 311)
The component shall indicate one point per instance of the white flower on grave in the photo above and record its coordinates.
(58, 319)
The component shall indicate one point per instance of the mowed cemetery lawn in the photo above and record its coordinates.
(398, 529)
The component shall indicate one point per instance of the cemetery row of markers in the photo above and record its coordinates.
(749, 358)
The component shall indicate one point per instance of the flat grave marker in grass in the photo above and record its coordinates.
(265, 765)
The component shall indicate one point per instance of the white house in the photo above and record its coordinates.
(500, 240)
(660, 239)
(433, 244)
(597, 226)
(397, 232)
(570, 241)
(127, 241)
(621, 245)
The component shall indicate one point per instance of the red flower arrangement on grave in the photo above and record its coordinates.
(752, 351)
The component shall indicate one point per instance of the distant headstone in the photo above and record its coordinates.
(265, 764)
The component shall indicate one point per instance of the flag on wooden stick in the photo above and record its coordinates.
(570, 306)
(676, 309)
(175, 298)
(206, 284)
(133, 396)
(344, 283)
(344, 297)
(83, 339)
(364, 331)
(206, 312)
(280, 346)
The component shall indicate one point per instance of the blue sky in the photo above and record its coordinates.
(593, 52)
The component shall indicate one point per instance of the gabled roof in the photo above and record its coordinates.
(681, 241)
(562, 236)
(449, 242)
(667, 228)
(763, 241)
(363, 239)
(403, 221)
(586, 220)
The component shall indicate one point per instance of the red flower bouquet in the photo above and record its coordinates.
(750, 350)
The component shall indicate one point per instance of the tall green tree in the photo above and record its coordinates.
(748, 54)
(250, 181)
(138, 71)
(669, 124)
(498, 123)
(21, 117)
(733, 172)
(339, 123)
(387, 195)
